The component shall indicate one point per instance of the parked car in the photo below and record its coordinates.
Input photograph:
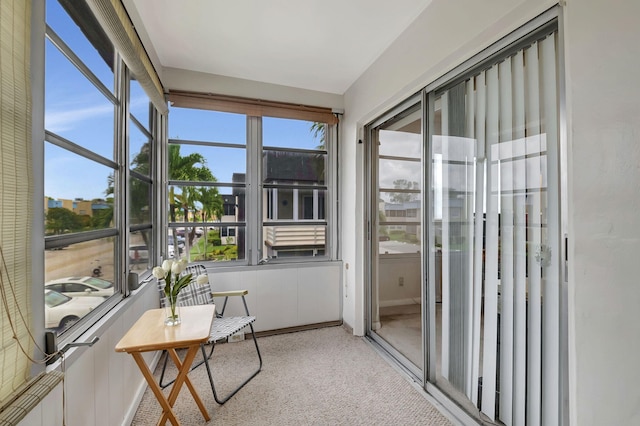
(81, 287)
(180, 241)
(61, 311)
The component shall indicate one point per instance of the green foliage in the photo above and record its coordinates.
(214, 250)
(206, 200)
(61, 220)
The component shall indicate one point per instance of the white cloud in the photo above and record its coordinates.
(60, 118)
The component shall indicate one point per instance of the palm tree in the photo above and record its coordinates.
(192, 168)
(318, 130)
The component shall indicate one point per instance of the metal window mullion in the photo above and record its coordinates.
(77, 149)
(295, 150)
(161, 190)
(253, 180)
(206, 143)
(122, 180)
(140, 176)
(79, 64)
(396, 158)
(206, 184)
(140, 126)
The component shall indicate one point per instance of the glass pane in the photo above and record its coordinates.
(139, 103)
(396, 302)
(81, 276)
(218, 243)
(399, 174)
(294, 240)
(74, 108)
(99, 60)
(402, 143)
(288, 133)
(75, 188)
(139, 149)
(293, 204)
(453, 232)
(139, 201)
(207, 163)
(206, 204)
(495, 212)
(210, 126)
(293, 167)
(140, 251)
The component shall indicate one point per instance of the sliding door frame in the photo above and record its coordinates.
(513, 42)
(371, 257)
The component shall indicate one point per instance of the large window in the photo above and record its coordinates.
(98, 121)
(217, 160)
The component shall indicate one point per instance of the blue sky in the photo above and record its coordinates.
(76, 110)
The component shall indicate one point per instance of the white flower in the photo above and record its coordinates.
(166, 265)
(178, 267)
(158, 272)
(202, 279)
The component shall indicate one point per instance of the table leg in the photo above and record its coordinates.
(183, 369)
(167, 412)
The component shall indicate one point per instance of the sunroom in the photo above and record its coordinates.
(454, 182)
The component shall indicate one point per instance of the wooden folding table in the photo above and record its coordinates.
(150, 334)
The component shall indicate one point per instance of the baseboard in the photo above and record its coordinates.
(397, 302)
(298, 328)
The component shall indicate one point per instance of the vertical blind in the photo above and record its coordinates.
(496, 193)
(16, 194)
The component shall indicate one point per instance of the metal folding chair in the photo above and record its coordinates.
(222, 328)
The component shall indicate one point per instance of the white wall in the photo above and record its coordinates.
(391, 269)
(602, 64)
(178, 79)
(283, 296)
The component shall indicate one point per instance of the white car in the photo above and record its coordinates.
(61, 311)
(81, 287)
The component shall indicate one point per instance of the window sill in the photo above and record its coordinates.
(99, 327)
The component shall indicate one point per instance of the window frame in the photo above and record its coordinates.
(255, 196)
(121, 170)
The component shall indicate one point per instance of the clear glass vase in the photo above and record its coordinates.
(172, 311)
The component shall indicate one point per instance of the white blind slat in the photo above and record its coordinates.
(506, 241)
(534, 334)
(551, 272)
(491, 261)
(479, 240)
(520, 245)
(446, 280)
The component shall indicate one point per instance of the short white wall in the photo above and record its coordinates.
(283, 296)
(101, 387)
(394, 268)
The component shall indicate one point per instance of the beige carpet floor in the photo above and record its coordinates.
(319, 377)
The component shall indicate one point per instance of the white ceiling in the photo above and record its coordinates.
(322, 45)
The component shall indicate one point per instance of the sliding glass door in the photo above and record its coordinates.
(494, 236)
(465, 233)
(395, 302)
